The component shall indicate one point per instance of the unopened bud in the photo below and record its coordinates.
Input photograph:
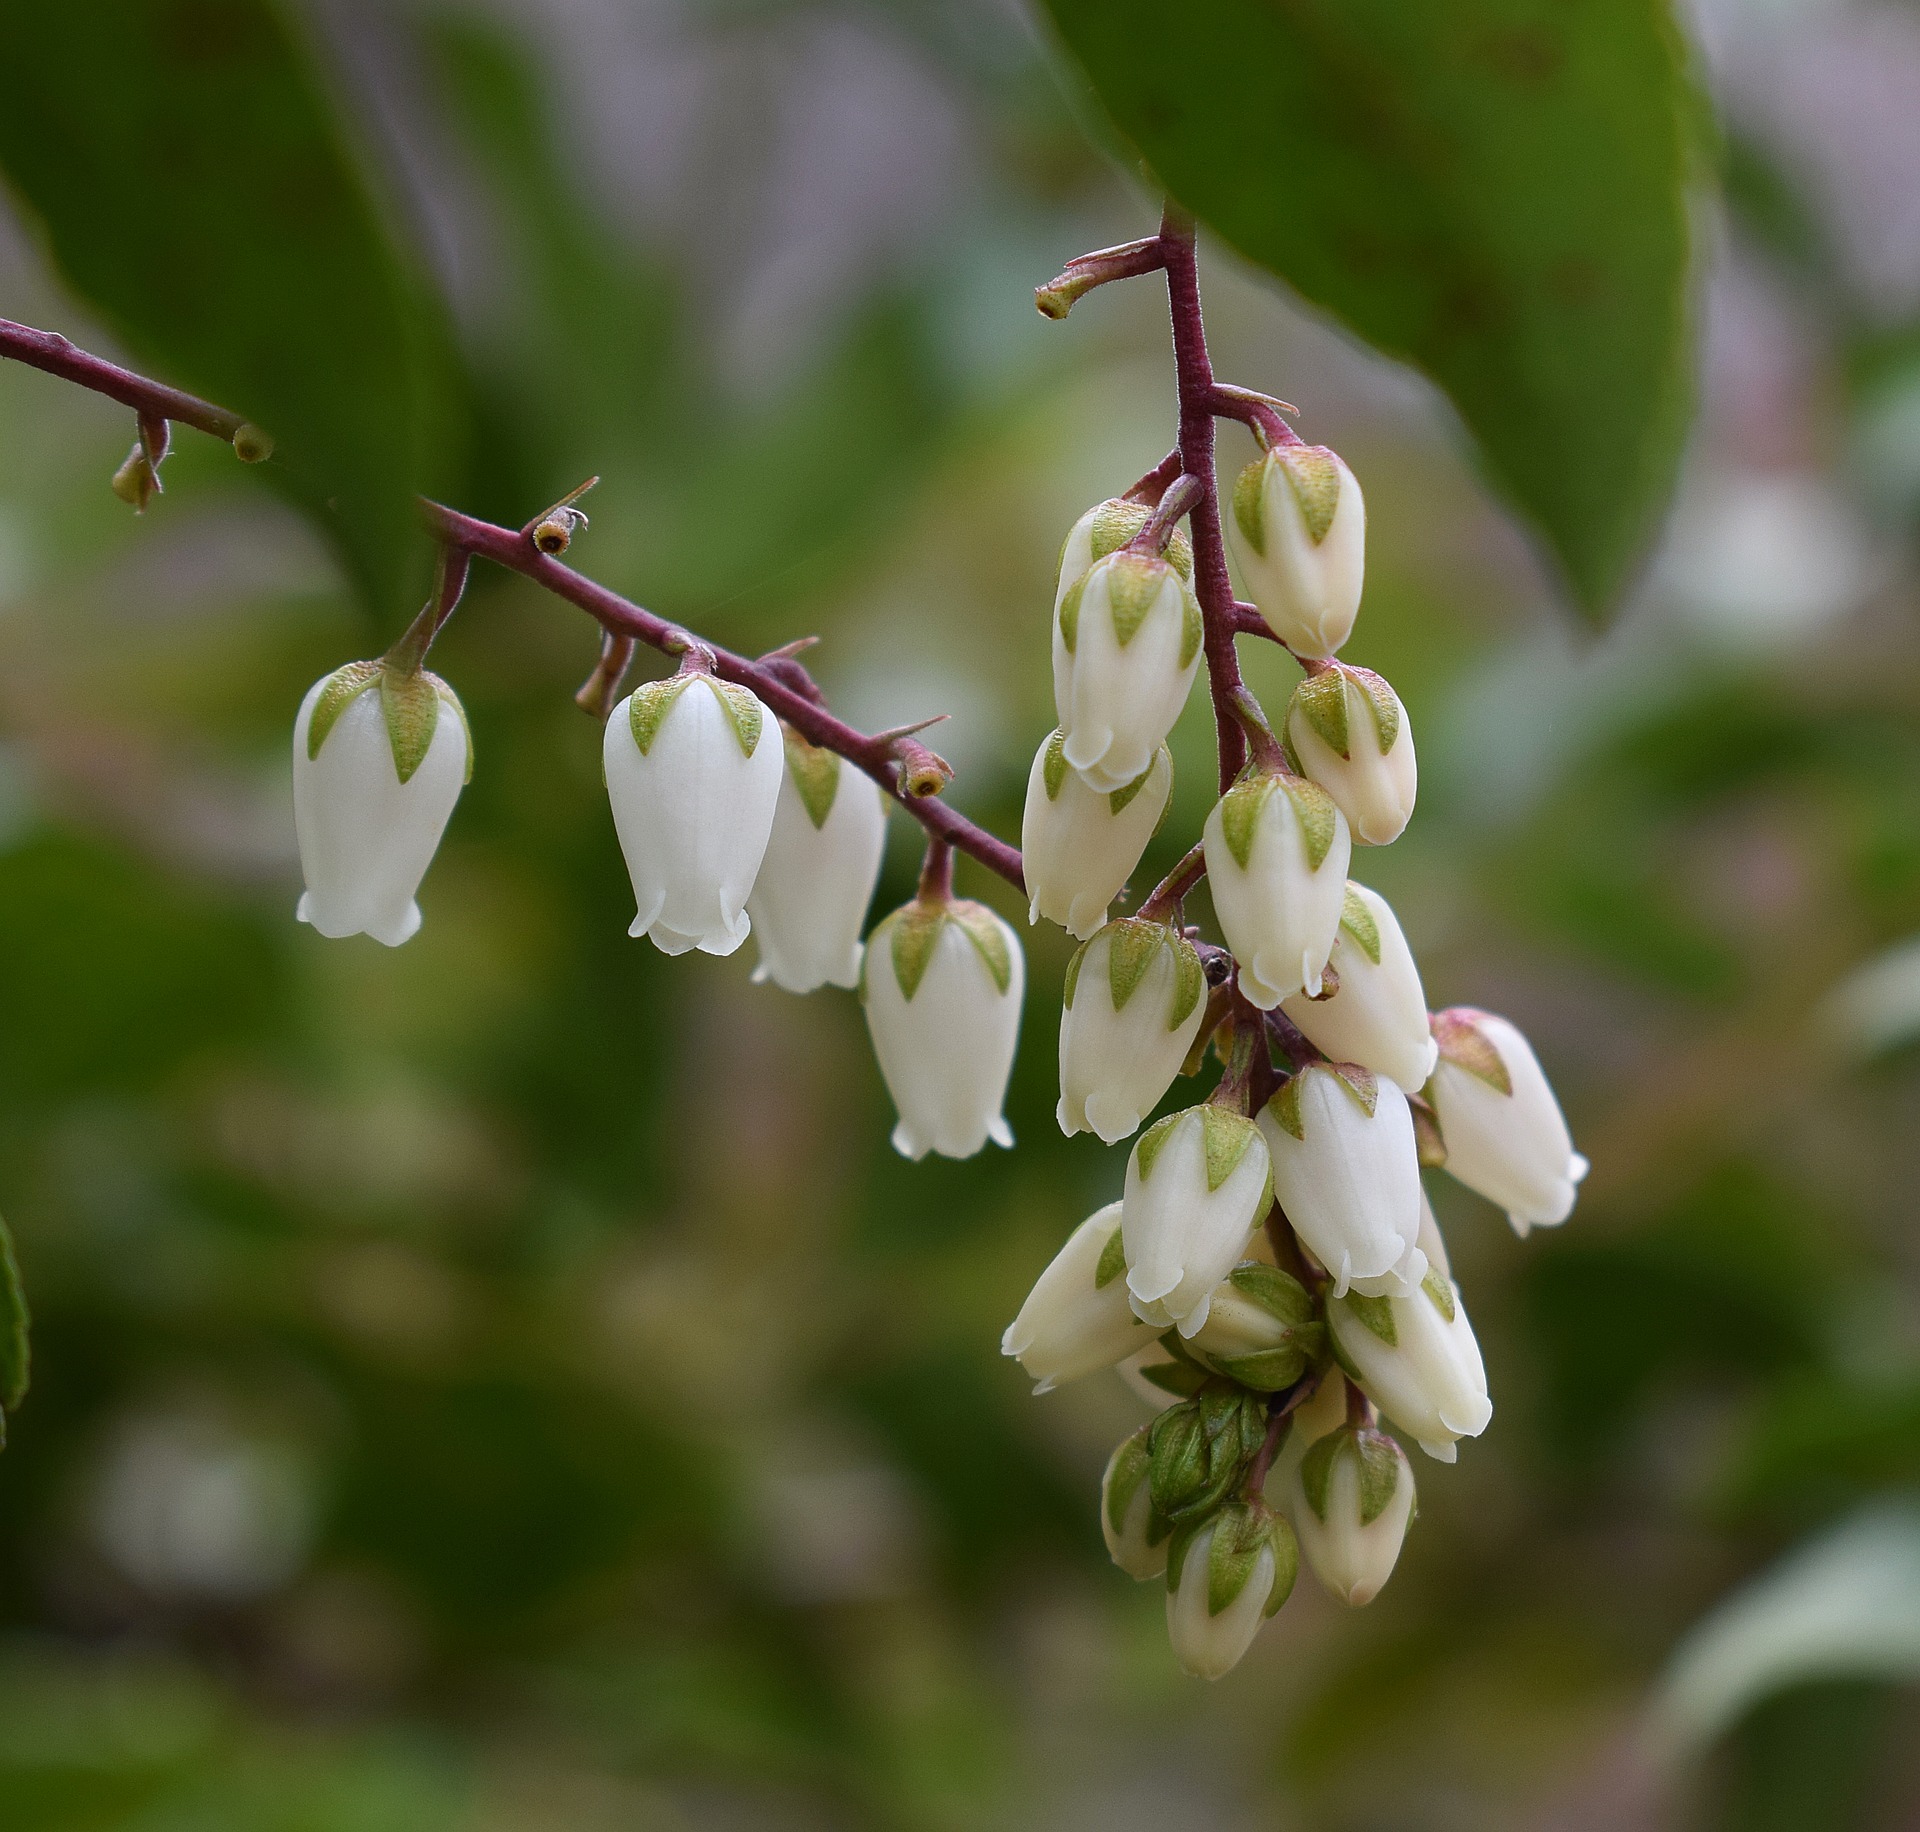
(1417, 1360)
(1076, 1320)
(1351, 1499)
(1372, 1009)
(1302, 531)
(1351, 735)
(1080, 845)
(1223, 1581)
(1134, 999)
(1261, 1329)
(1136, 1536)
(1199, 1450)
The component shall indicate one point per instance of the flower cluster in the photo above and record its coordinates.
(1272, 1276)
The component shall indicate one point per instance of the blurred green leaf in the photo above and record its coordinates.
(14, 1351)
(185, 163)
(1493, 190)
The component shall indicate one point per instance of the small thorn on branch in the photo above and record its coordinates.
(1082, 274)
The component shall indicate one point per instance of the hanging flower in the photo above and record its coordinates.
(942, 983)
(1136, 1536)
(1262, 1328)
(1351, 1497)
(1277, 852)
(1223, 1580)
(1197, 1187)
(1126, 646)
(822, 861)
(380, 755)
(1349, 733)
(1302, 536)
(1504, 1132)
(1080, 845)
(1417, 1360)
(1375, 1012)
(693, 772)
(1077, 1320)
(1105, 529)
(1133, 1002)
(1347, 1172)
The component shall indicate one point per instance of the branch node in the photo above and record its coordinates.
(922, 772)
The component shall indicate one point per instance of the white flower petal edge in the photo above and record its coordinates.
(1077, 1320)
(694, 809)
(942, 988)
(823, 855)
(366, 838)
(1377, 1013)
(1418, 1362)
(1505, 1135)
(1134, 998)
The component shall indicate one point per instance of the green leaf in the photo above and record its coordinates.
(15, 1356)
(1321, 699)
(1494, 190)
(1314, 808)
(1147, 1149)
(1381, 1462)
(1278, 1293)
(1314, 477)
(194, 186)
(1125, 1473)
(1189, 982)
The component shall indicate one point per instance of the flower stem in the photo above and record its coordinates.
(936, 872)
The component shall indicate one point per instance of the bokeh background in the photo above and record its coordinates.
(509, 1385)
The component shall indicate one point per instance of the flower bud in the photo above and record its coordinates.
(693, 768)
(1105, 529)
(1126, 646)
(1417, 1360)
(1350, 734)
(1198, 1451)
(1376, 1012)
(1302, 529)
(1077, 1320)
(1261, 1329)
(379, 759)
(1080, 845)
(1136, 1536)
(1277, 852)
(942, 983)
(1223, 1581)
(1197, 1187)
(1133, 1001)
(1346, 1170)
(1351, 1498)
(1504, 1133)
(821, 864)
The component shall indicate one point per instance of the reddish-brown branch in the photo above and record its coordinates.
(49, 351)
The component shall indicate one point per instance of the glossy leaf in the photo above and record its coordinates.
(186, 166)
(1493, 190)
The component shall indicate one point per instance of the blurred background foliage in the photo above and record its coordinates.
(509, 1384)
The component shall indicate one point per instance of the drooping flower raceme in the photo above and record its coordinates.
(1197, 1187)
(1302, 529)
(1077, 1320)
(1277, 851)
(822, 862)
(1223, 1580)
(1126, 646)
(1504, 1132)
(1417, 1360)
(1133, 1001)
(693, 767)
(1376, 1013)
(1136, 1536)
(1351, 1497)
(1078, 845)
(1347, 1171)
(1350, 734)
(379, 758)
(942, 982)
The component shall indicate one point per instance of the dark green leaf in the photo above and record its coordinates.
(1494, 190)
(14, 1354)
(186, 166)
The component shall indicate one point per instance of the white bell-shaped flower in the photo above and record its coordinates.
(1105, 529)
(1417, 1360)
(1324, 1410)
(1232, 1574)
(1134, 998)
(379, 758)
(822, 861)
(1277, 852)
(1350, 734)
(1126, 646)
(1505, 1135)
(1302, 545)
(1136, 1536)
(1080, 845)
(693, 767)
(942, 983)
(1346, 1170)
(1077, 1320)
(1376, 1011)
(1351, 1497)
(1197, 1187)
